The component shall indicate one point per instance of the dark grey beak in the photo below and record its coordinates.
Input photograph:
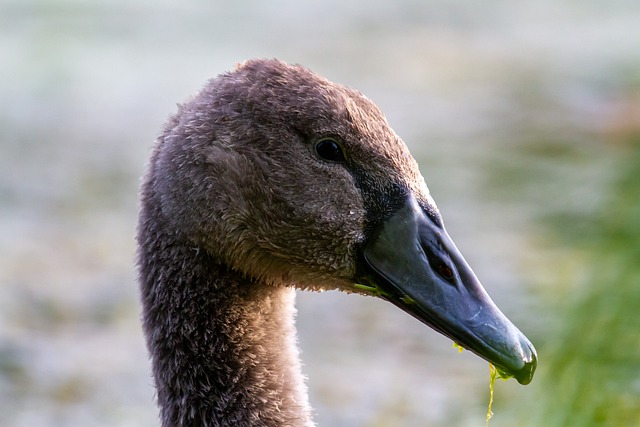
(416, 266)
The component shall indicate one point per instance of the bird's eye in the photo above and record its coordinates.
(329, 149)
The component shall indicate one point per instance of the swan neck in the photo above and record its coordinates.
(223, 347)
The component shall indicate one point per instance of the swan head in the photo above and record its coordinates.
(294, 180)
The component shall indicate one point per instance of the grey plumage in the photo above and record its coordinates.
(237, 210)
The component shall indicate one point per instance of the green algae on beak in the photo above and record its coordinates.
(374, 291)
(494, 373)
(492, 381)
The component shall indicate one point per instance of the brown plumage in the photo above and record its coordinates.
(241, 204)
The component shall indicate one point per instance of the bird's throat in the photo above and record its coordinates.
(223, 347)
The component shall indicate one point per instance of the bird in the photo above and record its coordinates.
(273, 179)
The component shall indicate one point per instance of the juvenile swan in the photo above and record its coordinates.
(271, 179)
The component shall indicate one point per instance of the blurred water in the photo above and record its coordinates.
(516, 111)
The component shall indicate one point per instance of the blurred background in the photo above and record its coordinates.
(524, 116)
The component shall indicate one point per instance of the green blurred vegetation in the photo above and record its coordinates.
(590, 363)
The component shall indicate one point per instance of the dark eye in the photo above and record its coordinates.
(329, 149)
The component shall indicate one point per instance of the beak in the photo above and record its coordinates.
(413, 263)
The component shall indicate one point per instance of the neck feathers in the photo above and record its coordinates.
(223, 347)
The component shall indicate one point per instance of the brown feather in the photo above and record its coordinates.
(236, 210)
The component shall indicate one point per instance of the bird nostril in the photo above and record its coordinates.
(441, 265)
(443, 270)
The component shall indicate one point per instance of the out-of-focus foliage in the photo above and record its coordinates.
(590, 374)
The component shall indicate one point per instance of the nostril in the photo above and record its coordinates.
(444, 271)
(440, 265)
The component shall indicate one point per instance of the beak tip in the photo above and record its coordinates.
(525, 374)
